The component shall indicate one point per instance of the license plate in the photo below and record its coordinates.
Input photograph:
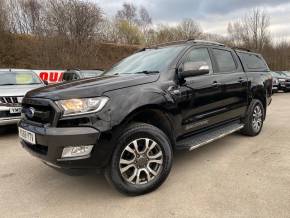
(27, 136)
(15, 110)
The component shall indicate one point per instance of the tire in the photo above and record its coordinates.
(150, 165)
(255, 116)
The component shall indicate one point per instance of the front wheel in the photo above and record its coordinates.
(254, 119)
(141, 161)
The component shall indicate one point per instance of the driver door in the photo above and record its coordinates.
(201, 103)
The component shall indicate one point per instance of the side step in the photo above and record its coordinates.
(204, 138)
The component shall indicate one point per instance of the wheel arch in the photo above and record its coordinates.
(154, 115)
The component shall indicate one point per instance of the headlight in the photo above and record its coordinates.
(73, 107)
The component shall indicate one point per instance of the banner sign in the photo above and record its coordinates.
(51, 76)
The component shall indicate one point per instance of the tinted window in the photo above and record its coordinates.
(199, 55)
(70, 77)
(225, 61)
(253, 61)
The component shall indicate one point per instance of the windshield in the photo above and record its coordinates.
(150, 60)
(19, 78)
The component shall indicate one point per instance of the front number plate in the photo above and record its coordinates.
(27, 136)
(15, 110)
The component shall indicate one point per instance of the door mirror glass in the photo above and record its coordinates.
(191, 69)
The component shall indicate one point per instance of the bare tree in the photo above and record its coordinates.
(3, 16)
(189, 29)
(251, 31)
(128, 13)
(74, 19)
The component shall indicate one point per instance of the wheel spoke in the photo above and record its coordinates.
(130, 150)
(151, 146)
(135, 143)
(138, 177)
(131, 178)
(159, 154)
(151, 170)
(147, 174)
(127, 162)
(156, 161)
(124, 169)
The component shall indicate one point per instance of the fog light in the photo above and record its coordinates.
(76, 151)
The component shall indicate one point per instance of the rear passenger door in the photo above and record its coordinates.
(233, 80)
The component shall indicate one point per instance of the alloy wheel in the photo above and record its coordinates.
(141, 161)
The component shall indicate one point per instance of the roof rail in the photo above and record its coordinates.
(242, 49)
(187, 41)
(170, 43)
(208, 42)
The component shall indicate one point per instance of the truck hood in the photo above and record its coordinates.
(91, 87)
(17, 90)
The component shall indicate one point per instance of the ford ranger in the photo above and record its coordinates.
(179, 95)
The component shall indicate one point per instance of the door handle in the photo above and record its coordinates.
(216, 84)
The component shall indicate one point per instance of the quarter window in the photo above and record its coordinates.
(253, 61)
(225, 61)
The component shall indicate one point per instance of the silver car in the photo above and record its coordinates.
(13, 86)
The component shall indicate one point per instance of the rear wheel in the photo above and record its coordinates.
(254, 119)
(141, 161)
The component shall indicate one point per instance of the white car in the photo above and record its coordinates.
(14, 84)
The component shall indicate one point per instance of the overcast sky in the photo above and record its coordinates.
(213, 15)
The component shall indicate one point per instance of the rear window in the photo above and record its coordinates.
(253, 62)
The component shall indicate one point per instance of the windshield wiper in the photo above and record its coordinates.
(8, 84)
(147, 72)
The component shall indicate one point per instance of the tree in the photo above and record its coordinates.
(188, 29)
(77, 20)
(129, 33)
(252, 31)
(128, 13)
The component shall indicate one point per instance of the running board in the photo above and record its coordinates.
(204, 138)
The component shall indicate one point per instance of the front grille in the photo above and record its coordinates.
(44, 113)
(11, 100)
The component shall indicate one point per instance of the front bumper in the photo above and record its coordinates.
(9, 121)
(50, 142)
(6, 118)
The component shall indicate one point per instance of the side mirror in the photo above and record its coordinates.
(45, 82)
(191, 69)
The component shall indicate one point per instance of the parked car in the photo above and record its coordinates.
(71, 75)
(180, 95)
(283, 80)
(13, 87)
(285, 85)
(276, 85)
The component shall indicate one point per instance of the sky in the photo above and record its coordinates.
(212, 15)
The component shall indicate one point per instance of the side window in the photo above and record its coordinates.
(225, 61)
(199, 55)
(253, 62)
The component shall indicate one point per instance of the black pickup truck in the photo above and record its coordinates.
(179, 95)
